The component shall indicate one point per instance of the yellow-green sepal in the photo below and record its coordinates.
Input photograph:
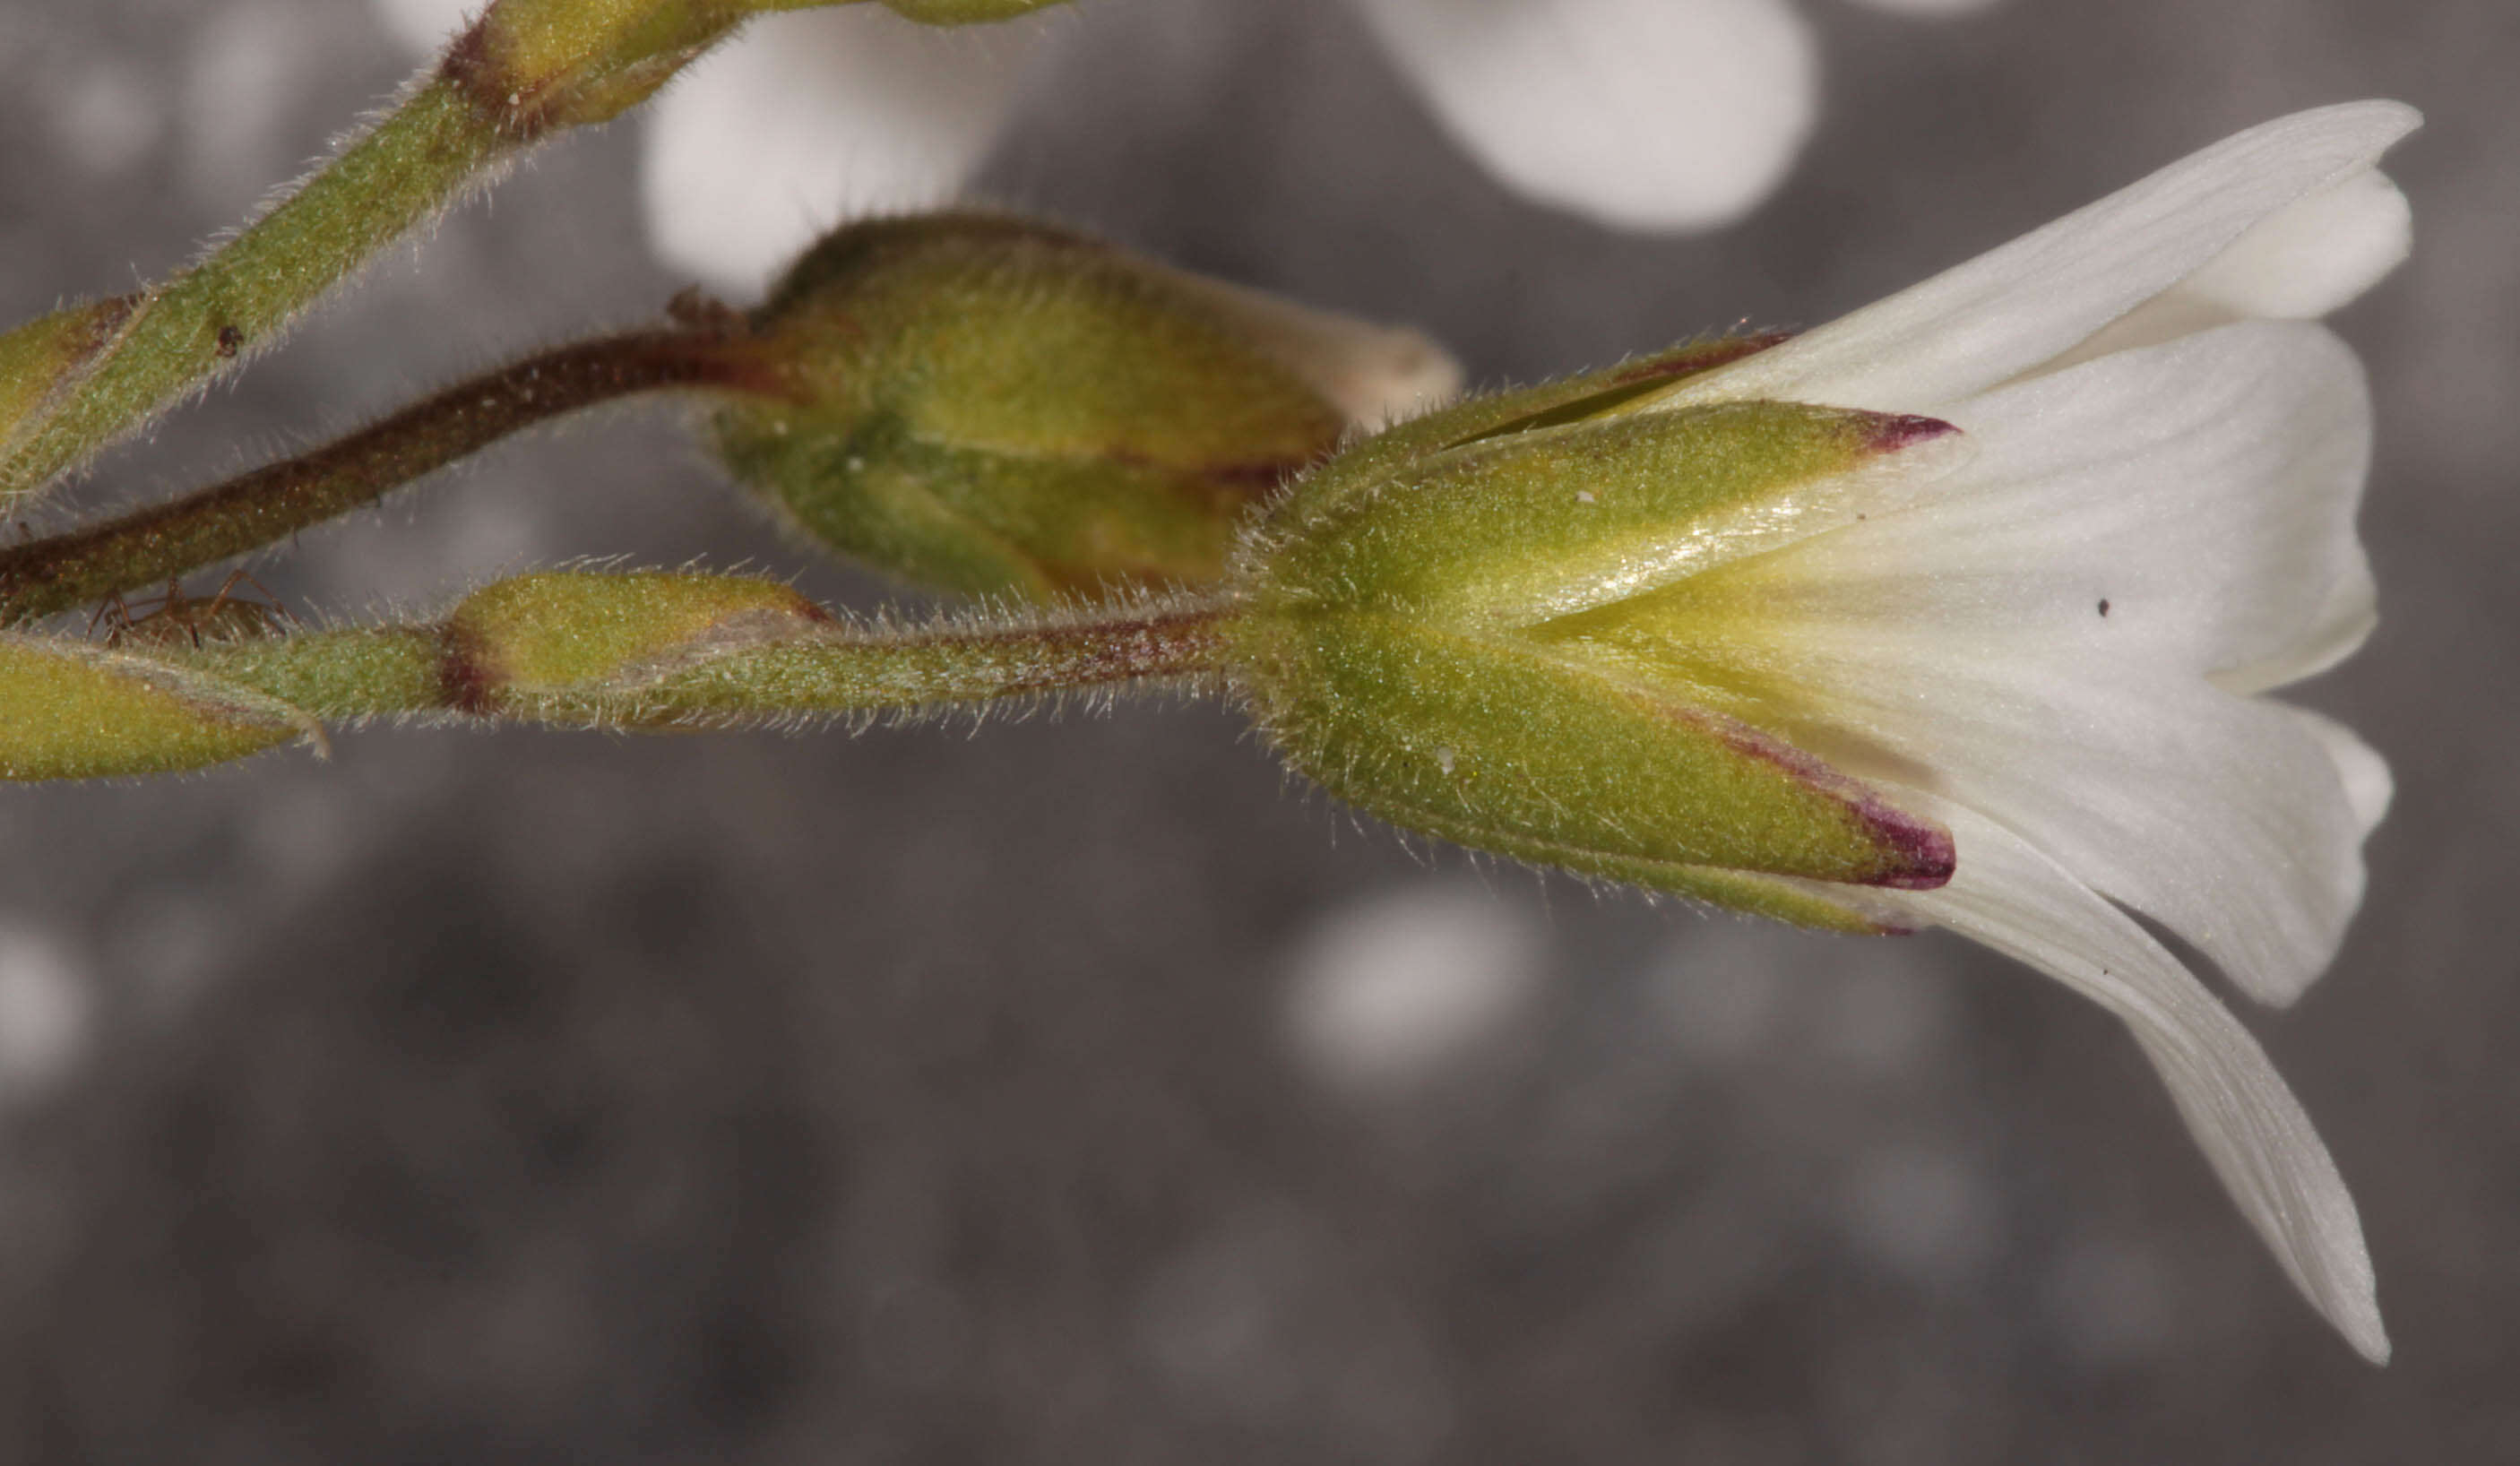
(42, 359)
(1515, 529)
(77, 711)
(545, 643)
(1503, 746)
(1399, 449)
(541, 64)
(1835, 908)
(1423, 642)
(987, 523)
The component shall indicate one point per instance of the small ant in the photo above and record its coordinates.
(175, 617)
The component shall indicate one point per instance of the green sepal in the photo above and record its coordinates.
(1776, 898)
(1402, 448)
(42, 360)
(537, 643)
(982, 522)
(541, 64)
(1501, 744)
(1511, 530)
(1427, 640)
(77, 711)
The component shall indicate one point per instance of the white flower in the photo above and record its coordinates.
(1635, 114)
(808, 118)
(2055, 637)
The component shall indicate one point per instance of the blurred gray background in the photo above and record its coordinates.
(1080, 1090)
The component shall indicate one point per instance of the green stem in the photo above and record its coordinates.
(931, 668)
(441, 669)
(78, 379)
(266, 505)
(342, 675)
(183, 333)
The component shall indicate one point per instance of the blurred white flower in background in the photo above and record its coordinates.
(47, 1008)
(1646, 114)
(1635, 113)
(1395, 989)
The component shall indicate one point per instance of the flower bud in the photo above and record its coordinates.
(41, 359)
(1442, 629)
(547, 64)
(77, 711)
(533, 644)
(992, 405)
(542, 64)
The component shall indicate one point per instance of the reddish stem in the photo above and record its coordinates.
(269, 504)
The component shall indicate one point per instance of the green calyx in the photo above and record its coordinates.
(1452, 626)
(996, 406)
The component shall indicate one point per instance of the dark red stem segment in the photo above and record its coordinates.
(269, 504)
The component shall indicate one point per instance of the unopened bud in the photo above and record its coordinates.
(545, 63)
(40, 360)
(1455, 632)
(538, 65)
(77, 711)
(993, 405)
(537, 643)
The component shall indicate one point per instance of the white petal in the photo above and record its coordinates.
(2296, 264)
(425, 25)
(2225, 817)
(2015, 899)
(2369, 788)
(2206, 489)
(2339, 629)
(816, 116)
(2036, 637)
(1636, 114)
(1375, 374)
(2314, 256)
(2024, 305)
